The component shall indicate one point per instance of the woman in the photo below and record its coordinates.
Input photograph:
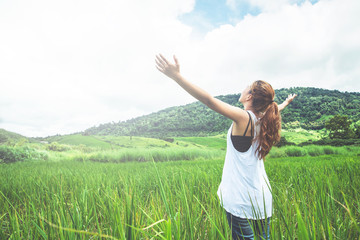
(244, 191)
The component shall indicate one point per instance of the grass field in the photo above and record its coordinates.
(219, 142)
(314, 198)
(300, 135)
(108, 187)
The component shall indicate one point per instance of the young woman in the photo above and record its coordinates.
(244, 191)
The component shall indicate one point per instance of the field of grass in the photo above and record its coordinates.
(118, 142)
(300, 135)
(147, 149)
(99, 187)
(124, 149)
(135, 142)
(210, 142)
(314, 198)
(313, 150)
(148, 155)
(296, 136)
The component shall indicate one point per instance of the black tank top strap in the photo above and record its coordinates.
(251, 125)
(248, 125)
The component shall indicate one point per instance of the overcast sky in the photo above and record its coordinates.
(69, 65)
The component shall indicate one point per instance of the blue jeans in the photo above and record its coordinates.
(244, 229)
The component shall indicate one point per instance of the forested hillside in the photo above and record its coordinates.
(310, 110)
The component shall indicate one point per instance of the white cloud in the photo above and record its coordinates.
(58, 60)
(66, 66)
(305, 45)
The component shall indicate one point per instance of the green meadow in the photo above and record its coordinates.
(299, 135)
(106, 187)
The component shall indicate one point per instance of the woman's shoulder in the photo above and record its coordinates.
(253, 115)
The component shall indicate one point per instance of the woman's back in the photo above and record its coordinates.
(244, 187)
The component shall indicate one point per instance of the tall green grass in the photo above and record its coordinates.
(314, 198)
(186, 152)
(313, 150)
(146, 155)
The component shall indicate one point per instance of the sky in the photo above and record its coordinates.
(69, 65)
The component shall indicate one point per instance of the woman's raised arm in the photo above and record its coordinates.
(173, 71)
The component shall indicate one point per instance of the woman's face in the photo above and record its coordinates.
(245, 93)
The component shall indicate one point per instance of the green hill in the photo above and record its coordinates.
(11, 137)
(310, 110)
(186, 125)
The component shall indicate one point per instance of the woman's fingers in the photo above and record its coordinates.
(176, 61)
(163, 59)
(158, 63)
(291, 97)
(159, 68)
(169, 69)
(160, 60)
(161, 63)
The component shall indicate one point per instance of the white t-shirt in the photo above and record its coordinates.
(245, 190)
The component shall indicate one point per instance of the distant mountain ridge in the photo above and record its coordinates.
(309, 110)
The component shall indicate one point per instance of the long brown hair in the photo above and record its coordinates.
(270, 120)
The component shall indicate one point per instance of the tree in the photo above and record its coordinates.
(357, 129)
(339, 127)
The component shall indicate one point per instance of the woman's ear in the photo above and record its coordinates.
(249, 97)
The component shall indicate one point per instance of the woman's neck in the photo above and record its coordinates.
(249, 107)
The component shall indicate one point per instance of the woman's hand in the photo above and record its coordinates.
(290, 98)
(167, 68)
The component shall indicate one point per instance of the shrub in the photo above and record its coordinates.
(54, 146)
(329, 150)
(315, 150)
(16, 154)
(145, 155)
(333, 142)
(277, 152)
(284, 142)
(8, 154)
(295, 151)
